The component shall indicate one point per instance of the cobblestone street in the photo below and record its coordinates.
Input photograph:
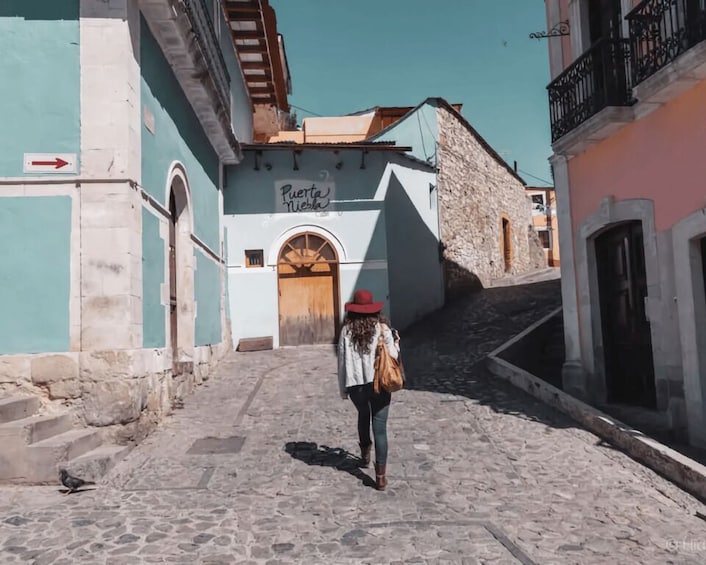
(479, 472)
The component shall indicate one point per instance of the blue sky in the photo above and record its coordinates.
(348, 55)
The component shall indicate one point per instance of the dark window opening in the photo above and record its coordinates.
(545, 238)
(254, 258)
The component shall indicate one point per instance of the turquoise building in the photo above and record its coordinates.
(117, 125)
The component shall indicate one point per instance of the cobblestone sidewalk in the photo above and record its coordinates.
(257, 468)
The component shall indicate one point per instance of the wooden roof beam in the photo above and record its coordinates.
(256, 65)
(252, 48)
(248, 34)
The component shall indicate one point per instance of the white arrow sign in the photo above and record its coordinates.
(50, 163)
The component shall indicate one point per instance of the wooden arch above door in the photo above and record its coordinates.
(305, 249)
(307, 269)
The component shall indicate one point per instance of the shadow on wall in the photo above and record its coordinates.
(445, 352)
(57, 10)
(159, 78)
(415, 275)
(459, 280)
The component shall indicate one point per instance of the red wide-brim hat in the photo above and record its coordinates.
(363, 303)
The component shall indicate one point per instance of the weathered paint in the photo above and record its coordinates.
(207, 293)
(35, 278)
(178, 136)
(153, 277)
(418, 130)
(40, 91)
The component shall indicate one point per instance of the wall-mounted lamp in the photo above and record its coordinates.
(258, 155)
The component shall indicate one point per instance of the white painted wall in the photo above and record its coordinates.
(356, 224)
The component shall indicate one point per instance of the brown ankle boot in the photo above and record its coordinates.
(380, 480)
(365, 455)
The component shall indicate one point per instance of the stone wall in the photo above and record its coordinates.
(475, 193)
(124, 392)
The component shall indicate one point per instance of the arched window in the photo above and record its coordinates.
(306, 250)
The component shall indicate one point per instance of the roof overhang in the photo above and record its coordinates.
(325, 146)
(261, 51)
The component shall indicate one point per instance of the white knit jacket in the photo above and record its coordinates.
(356, 368)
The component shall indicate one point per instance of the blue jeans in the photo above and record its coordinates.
(373, 407)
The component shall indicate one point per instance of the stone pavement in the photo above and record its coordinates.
(257, 468)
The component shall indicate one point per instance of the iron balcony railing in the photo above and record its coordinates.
(206, 39)
(661, 30)
(599, 78)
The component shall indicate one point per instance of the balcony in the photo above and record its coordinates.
(660, 31)
(668, 50)
(598, 80)
(207, 42)
(185, 32)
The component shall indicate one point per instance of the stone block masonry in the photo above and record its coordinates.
(476, 195)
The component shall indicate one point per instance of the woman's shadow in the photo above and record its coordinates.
(324, 456)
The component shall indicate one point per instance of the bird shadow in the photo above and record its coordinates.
(324, 456)
(67, 491)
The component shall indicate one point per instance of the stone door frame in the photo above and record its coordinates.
(608, 215)
(178, 184)
(691, 306)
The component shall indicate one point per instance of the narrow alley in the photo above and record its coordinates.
(258, 467)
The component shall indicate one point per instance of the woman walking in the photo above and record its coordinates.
(357, 345)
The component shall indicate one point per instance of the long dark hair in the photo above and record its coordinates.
(362, 328)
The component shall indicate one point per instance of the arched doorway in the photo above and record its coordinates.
(307, 269)
(181, 275)
(627, 341)
(506, 237)
(173, 311)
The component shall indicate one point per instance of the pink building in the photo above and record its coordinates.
(628, 119)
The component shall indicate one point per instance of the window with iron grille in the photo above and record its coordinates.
(254, 258)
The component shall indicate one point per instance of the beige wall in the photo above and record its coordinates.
(546, 220)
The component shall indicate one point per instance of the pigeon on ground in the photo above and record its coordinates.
(72, 483)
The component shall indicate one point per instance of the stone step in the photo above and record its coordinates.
(45, 457)
(35, 428)
(17, 407)
(95, 464)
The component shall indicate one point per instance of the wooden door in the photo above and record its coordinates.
(604, 19)
(173, 280)
(308, 291)
(507, 245)
(627, 340)
(609, 59)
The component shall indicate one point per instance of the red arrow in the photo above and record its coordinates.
(57, 162)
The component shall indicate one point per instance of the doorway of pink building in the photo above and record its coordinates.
(627, 341)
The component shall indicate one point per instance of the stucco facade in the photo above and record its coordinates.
(86, 279)
(636, 162)
(371, 204)
(545, 222)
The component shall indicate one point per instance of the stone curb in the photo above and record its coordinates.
(686, 473)
(539, 275)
